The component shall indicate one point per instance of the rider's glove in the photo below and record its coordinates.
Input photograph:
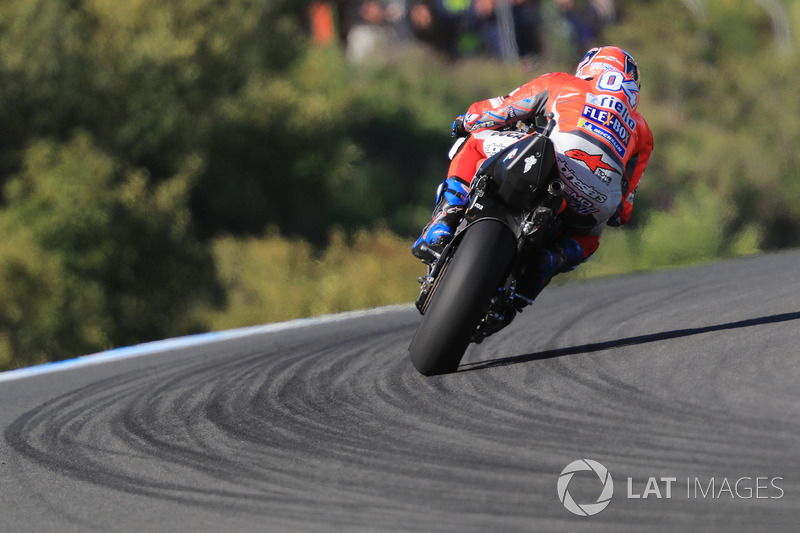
(459, 129)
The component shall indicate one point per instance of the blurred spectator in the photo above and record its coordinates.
(483, 19)
(509, 30)
(322, 19)
(428, 27)
(441, 24)
(586, 19)
(505, 29)
(368, 31)
(374, 27)
(528, 29)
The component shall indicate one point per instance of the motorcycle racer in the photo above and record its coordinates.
(602, 145)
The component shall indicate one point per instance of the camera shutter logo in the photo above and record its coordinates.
(585, 509)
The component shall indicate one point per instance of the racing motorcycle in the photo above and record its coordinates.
(472, 289)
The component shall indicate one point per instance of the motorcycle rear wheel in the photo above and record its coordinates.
(463, 291)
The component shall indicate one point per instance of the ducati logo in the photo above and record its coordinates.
(529, 162)
(592, 161)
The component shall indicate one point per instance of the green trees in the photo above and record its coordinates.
(94, 255)
(723, 111)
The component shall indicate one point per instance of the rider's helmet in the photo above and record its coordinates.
(599, 60)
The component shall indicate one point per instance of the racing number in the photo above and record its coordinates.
(615, 81)
(611, 81)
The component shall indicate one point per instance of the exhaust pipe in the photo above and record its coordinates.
(555, 188)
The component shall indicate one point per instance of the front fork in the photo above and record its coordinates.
(534, 231)
(530, 229)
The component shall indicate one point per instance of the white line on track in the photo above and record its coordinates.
(166, 345)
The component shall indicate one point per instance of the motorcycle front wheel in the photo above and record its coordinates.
(462, 293)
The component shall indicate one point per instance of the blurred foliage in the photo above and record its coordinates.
(365, 270)
(693, 231)
(95, 256)
(171, 167)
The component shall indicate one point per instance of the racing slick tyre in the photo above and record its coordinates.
(462, 293)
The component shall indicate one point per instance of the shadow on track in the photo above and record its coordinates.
(629, 341)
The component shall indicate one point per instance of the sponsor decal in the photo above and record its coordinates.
(604, 176)
(580, 186)
(529, 162)
(608, 120)
(603, 133)
(608, 67)
(615, 81)
(500, 140)
(631, 90)
(496, 141)
(592, 161)
(579, 204)
(613, 104)
(516, 135)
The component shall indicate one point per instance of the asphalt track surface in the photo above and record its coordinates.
(691, 374)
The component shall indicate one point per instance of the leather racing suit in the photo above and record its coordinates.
(602, 144)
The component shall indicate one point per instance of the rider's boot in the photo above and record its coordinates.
(563, 256)
(451, 204)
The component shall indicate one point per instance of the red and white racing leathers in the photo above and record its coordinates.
(602, 144)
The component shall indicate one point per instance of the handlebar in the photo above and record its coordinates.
(551, 123)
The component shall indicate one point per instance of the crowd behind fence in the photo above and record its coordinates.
(508, 30)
